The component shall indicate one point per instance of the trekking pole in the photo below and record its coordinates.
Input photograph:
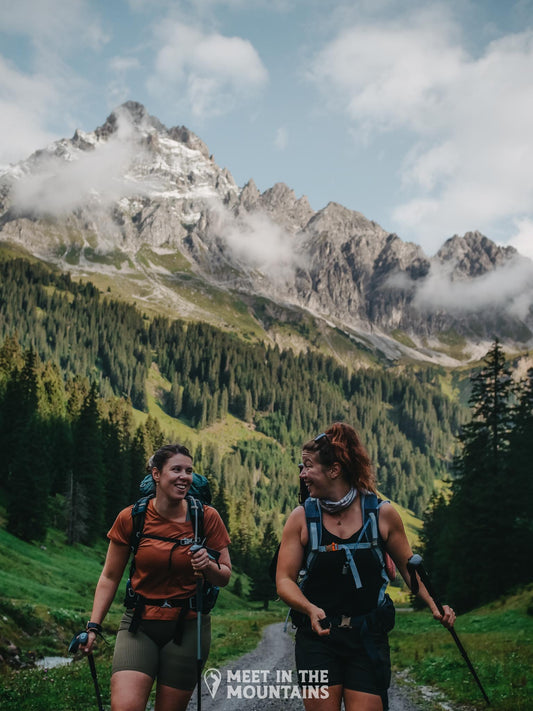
(199, 602)
(415, 565)
(81, 639)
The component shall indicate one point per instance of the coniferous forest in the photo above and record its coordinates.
(478, 538)
(74, 365)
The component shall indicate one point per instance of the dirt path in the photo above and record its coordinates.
(272, 659)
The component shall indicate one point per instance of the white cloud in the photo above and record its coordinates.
(469, 117)
(281, 140)
(124, 64)
(255, 240)
(46, 85)
(523, 239)
(118, 88)
(214, 72)
(23, 109)
(55, 24)
(58, 186)
(510, 285)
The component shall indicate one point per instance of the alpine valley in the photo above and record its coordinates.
(145, 212)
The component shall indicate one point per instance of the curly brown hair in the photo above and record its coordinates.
(343, 445)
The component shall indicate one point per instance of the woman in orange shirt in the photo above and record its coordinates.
(157, 637)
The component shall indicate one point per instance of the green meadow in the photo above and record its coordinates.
(47, 595)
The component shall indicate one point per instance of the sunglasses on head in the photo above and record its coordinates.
(321, 438)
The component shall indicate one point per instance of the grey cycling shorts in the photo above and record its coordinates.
(152, 650)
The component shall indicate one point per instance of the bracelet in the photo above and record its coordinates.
(94, 627)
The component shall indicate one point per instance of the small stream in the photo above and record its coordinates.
(51, 662)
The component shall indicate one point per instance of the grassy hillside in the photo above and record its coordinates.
(498, 640)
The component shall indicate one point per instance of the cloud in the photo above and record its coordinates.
(523, 239)
(118, 88)
(57, 186)
(281, 140)
(214, 72)
(54, 25)
(24, 106)
(510, 285)
(467, 117)
(255, 240)
(45, 85)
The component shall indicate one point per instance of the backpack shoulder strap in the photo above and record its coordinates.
(138, 514)
(196, 514)
(372, 507)
(313, 519)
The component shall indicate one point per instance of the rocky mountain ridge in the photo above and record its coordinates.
(135, 199)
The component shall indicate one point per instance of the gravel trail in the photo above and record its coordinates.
(275, 655)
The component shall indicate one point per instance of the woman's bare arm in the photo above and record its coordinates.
(290, 560)
(393, 534)
(106, 588)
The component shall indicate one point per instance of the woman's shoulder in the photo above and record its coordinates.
(296, 517)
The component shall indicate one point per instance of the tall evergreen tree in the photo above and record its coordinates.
(477, 530)
(521, 458)
(89, 468)
(263, 588)
(28, 477)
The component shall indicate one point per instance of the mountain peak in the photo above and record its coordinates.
(473, 254)
(135, 114)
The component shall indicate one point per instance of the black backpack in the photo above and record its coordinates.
(135, 601)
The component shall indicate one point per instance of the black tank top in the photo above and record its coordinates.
(331, 585)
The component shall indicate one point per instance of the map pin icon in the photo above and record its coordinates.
(212, 679)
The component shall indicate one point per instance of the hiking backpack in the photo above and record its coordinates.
(368, 539)
(135, 601)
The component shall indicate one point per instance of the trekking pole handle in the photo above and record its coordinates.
(194, 549)
(415, 565)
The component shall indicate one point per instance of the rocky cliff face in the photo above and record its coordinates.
(134, 196)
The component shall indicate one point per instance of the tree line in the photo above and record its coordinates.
(478, 536)
(406, 421)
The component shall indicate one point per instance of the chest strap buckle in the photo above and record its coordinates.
(346, 622)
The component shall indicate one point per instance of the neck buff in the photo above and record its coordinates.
(336, 506)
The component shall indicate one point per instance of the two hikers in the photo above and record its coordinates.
(338, 542)
(158, 634)
(332, 570)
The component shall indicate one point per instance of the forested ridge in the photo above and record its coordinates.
(74, 363)
(74, 368)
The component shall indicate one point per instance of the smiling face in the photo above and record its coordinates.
(315, 475)
(175, 477)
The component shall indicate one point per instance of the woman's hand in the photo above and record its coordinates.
(315, 615)
(88, 647)
(448, 619)
(200, 561)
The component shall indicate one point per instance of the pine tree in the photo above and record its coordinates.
(480, 510)
(263, 588)
(89, 467)
(521, 524)
(29, 478)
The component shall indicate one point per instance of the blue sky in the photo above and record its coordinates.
(417, 114)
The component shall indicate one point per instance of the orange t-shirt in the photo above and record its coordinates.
(161, 570)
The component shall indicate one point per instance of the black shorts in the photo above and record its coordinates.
(346, 658)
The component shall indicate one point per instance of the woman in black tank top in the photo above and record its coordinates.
(340, 540)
